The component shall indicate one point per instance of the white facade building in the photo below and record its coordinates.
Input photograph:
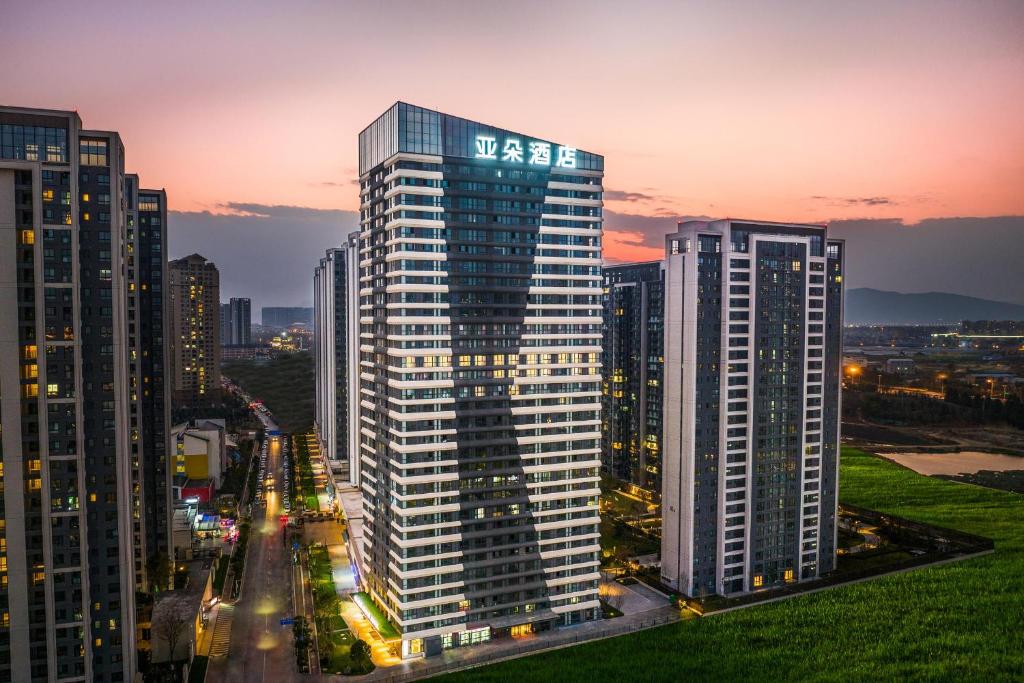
(336, 357)
(480, 342)
(753, 338)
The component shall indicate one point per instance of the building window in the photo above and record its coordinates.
(758, 581)
(93, 152)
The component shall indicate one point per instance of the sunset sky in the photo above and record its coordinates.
(901, 111)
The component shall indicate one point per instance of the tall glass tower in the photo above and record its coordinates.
(480, 342)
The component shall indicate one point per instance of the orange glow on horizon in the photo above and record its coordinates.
(814, 113)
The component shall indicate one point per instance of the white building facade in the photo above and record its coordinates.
(336, 357)
(480, 385)
(753, 339)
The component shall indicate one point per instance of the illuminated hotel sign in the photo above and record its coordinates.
(535, 152)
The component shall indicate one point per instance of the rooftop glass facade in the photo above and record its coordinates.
(415, 130)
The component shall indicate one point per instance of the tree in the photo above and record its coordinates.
(159, 569)
(169, 625)
(360, 651)
(610, 591)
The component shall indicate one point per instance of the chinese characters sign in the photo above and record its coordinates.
(535, 152)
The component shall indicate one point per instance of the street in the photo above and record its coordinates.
(260, 647)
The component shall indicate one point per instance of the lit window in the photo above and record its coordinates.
(93, 152)
(28, 237)
(758, 581)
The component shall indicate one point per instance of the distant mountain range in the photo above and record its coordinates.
(867, 306)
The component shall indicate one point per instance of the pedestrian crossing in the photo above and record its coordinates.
(222, 631)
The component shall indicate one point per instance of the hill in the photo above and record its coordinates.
(867, 306)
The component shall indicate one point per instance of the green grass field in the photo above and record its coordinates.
(962, 621)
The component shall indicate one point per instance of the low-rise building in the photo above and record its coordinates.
(899, 366)
(201, 448)
(183, 531)
(250, 352)
(179, 617)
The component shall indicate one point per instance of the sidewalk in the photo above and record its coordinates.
(458, 658)
(206, 634)
(330, 534)
(352, 506)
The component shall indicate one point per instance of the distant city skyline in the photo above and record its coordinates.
(978, 256)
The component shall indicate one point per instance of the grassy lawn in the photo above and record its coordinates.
(377, 616)
(327, 611)
(334, 637)
(305, 469)
(961, 621)
(285, 384)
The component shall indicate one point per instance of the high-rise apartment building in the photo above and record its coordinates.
(336, 355)
(239, 322)
(149, 393)
(225, 324)
(195, 329)
(71, 268)
(480, 344)
(633, 341)
(753, 337)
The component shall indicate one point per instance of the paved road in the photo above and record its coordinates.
(261, 649)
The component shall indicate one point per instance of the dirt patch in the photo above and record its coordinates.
(953, 464)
